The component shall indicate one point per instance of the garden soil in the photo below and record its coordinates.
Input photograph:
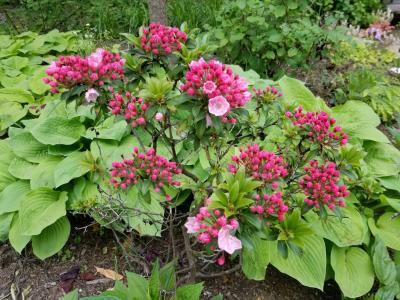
(26, 277)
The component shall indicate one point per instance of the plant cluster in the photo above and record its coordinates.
(292, 183)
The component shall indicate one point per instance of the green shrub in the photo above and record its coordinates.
(270, 35)
(358, 12)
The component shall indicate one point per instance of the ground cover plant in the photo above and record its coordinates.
(266, 172)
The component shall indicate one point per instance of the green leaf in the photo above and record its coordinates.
(309, 268)
(145, 217)
(382, 159)
(353, 270)
(168, 277)
(189, 291)
(108, 130)
(43, 175)
(137, 286)
(205, 164)
(75, 165)
(27, 147)
(359, 121)
(5, 223)
(154, 282)
(110, 151)
(279, 10)
(256, 258)
(52, 239)
(36, 83)
(393, 202)
(15, 95)
(385, 268)
(11, 112)
(73, 295)
(12, 195)
(295, 93)
(17, 240)
(41, 208)
(58, 130)
(22, 169)
(387, 228)
(344, 232)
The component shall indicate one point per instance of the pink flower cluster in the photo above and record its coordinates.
(93, 70)
(269, 94)
(149, 165)
(319, 126)
(132, 108)
(259, 164)
(270, 206)
(213, 228)
(216, 82)
(159, 39)
(320, 185)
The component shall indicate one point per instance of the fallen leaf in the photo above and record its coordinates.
(70, 274)
(67, 285)
(87, 276)
(109, 273)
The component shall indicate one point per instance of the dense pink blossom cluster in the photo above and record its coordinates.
(132, 108)
(269, 94)
(259, 164)
(213, 228)
(320, 185)
(149, 165)
(319, 126)
(160, 39)
(216, 82)
(93, 70)
(270, 206)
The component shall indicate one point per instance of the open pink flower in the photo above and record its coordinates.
(91, 95)
(192, 225)
(228, 242)
(218, 106)
(159, 116)
(96, 58)
(209, 87)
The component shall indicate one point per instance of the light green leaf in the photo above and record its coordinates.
(36, 83)
(41, 208)
(343, 232)
(387, 228)
(255, 259)
(109, 130)
(52, 239)
(353, 269)
(27, 147)
(308, 268)
(22, 169)
(146, 218)
(189, 291)
(17, 240)
(385, 268)
(11, 112)
(5, 223)
(58, 130)
(205, 164)
(15, 95)
(359, 121)
(110, 151)
(74, 165)
(12, 195)
(382, 159)
(43, 175)
(295, 93)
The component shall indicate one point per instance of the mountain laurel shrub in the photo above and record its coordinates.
(271, 173)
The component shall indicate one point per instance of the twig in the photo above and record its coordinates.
(192, 262)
